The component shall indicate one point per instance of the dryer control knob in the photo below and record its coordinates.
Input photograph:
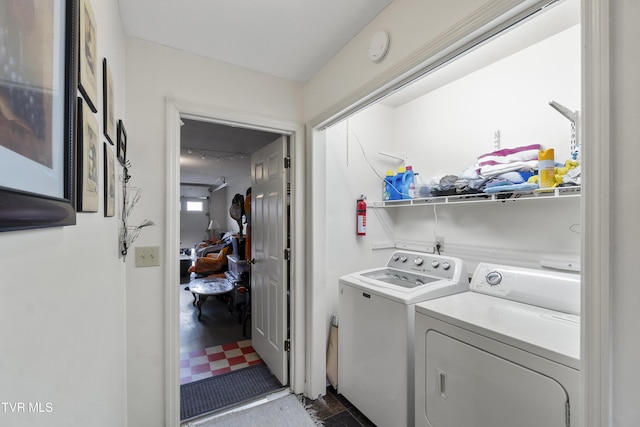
(418, 261)
(403, 259)
(435, 264)
(446, 265)
(494, 278)
(395, 257)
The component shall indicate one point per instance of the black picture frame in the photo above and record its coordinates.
(87, 55)
(109, 120)
(109, 182)
(122, 143)
(87, 143)
(46, 198)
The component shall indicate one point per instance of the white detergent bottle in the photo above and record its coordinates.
(409, 187)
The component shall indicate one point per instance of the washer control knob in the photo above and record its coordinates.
(494, 278)
(446, 265)
(435, 264)
(403, 259)
(395, 257)
(418, 261)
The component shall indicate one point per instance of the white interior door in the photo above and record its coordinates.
(269, 309)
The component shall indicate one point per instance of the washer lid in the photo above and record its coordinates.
(400, 278)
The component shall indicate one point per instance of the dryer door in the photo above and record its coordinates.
(467, 386)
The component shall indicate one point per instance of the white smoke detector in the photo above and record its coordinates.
(379, 46)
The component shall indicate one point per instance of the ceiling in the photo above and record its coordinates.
(212, 153)
(290, 39)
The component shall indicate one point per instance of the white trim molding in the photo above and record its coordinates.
(172, 247)
(175, 109)
(596, 269)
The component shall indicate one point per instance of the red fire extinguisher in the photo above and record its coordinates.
(361, 216)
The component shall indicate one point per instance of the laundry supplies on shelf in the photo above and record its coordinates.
(410, 184)
(403, 186)
(398, 182)
(546, 168)
(388, 187)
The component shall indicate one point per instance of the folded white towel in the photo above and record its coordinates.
(507, 160)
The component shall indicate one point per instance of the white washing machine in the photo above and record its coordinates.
(505, 354)
(376, 331)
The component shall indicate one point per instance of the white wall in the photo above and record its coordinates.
(348, 176)
(193, 225)
(220, 210)
(444, 132)
(62, 298)
(155, 73)
(511, 95)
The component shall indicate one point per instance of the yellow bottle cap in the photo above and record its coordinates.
(390, 172)
(401, 169)
(546, 154)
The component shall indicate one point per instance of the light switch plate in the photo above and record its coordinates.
(147, 256)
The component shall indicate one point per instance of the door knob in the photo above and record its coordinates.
(252, 261)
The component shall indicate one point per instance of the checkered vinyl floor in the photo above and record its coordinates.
(200, 364)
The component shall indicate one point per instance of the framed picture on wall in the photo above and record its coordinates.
(122, 143)
(88, 63)
(109, 181)
(87, 160)
(108, 114)
(38, 84)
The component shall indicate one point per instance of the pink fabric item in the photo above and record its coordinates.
(507, 160)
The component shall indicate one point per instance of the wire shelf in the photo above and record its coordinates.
(506, 196)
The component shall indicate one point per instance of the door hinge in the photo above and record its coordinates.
(287, 162)
(287, 254)
(287, 345)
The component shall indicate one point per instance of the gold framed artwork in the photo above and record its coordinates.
(109, 182)
(108, 101)
(38, 89)
(87, 160)
(88, 61)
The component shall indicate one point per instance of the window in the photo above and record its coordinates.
(194, 206)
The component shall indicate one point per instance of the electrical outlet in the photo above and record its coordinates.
(440, 241)
(148, 256)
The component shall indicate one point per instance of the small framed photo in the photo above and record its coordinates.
(87, 160)
(122, 143)
(109, 182)
(108, 101)
(88, 63)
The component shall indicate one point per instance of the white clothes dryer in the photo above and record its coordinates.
(376, 330)
(505, 354)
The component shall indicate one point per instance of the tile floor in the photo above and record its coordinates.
(334, 410)
(207, 362)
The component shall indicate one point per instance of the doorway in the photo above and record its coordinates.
(216, 333)
(175, 116)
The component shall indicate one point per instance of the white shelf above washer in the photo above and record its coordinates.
(507, 196)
